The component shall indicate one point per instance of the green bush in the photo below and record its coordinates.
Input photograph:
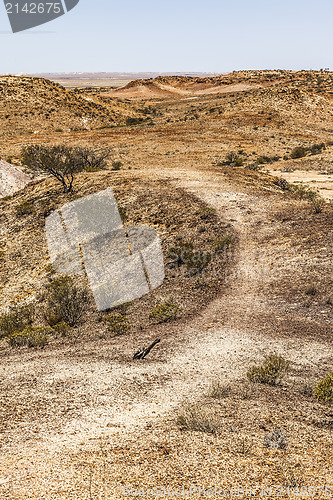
(36, 337)
(324, 390)
(117, 324)
(165, 312)
(271, 372)
(65, 301)
(16, 319)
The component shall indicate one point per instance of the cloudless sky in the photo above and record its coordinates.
(174, 35)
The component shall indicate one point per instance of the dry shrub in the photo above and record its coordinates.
(25, 208)
(117, 324)
(218, 390)
(16, 319)
(62, 328)
(276, 440)
(37, 337)
(271, 372)
(165, 312)
(65, 301)
(195, 417)
(245, 390)
(324, 390)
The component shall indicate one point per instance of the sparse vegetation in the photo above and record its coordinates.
(117, 324)
(165, 312)
(25, 208)
(276, 440)
(36, 337)
(16, 319)
(196, 417)
(233, 431)
(65, 301)
(219, 390)
(272, 371)
(324, 389)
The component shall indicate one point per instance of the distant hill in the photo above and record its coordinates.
(116, 75)
(237, 81)
(32, 105)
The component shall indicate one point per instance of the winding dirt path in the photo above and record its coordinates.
(122, 399)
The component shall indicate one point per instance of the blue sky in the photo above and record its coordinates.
(174, 35)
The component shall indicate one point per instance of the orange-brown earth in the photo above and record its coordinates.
(80, 419)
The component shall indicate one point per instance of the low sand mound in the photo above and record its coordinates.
(181, 86)
(12, 179)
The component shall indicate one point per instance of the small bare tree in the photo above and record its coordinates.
(94, 159)
(63, 162)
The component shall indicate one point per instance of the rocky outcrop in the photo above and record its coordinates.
(12, 179)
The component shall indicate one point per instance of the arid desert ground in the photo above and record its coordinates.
(238, 167)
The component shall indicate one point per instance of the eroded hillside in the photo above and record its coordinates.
(227, 167)
(29, 106)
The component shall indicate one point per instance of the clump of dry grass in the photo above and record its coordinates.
(219, 390)
(195, 417)
(276, 440)
(311, 289)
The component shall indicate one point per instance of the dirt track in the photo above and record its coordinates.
(121, 400)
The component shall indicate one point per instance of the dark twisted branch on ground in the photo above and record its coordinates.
(142, 353)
